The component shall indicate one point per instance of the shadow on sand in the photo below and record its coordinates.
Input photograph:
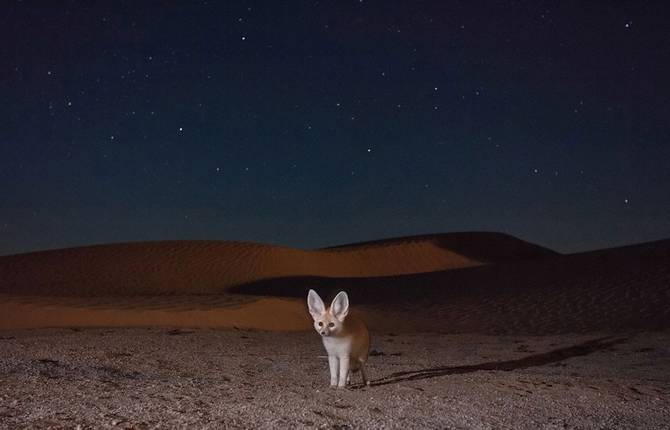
(483, 246)
(554, 356)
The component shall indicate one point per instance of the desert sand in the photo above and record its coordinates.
(186, 283)
(470, 330)
(455, 288)
(212, 267)
(123, 378)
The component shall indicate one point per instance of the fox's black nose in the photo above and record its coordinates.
(323, 332)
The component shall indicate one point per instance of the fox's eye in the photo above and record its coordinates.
(320, 324)
(331, 325)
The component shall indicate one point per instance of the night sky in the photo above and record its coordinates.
(316, 123)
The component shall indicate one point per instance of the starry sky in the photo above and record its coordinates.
(316, 123)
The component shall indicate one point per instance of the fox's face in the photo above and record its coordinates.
(328, 322)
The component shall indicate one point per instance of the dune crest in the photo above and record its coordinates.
(460, 283)
(211, 267)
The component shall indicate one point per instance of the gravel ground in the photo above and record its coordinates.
(177, 378)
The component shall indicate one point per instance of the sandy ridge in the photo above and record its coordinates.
(209, 267)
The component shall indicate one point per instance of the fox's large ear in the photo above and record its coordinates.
(315, 304)
(340, 306)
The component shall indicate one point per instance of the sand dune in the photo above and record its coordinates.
(460, 283)
(614, 289)
(203, 267)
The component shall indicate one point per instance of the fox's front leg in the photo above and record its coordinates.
(344, 372)
(334, 364)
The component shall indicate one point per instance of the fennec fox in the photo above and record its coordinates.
(346, 338)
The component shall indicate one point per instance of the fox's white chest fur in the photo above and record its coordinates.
(353, 343)
(346, 338)
(337, 346)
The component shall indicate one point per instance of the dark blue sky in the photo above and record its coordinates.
(317, 123)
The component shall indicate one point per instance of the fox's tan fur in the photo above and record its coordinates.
(345, 337)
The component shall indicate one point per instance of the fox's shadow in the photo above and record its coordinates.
(556, 355)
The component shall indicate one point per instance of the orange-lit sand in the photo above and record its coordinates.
(185, 283)
(476, 283)
(202, 267)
